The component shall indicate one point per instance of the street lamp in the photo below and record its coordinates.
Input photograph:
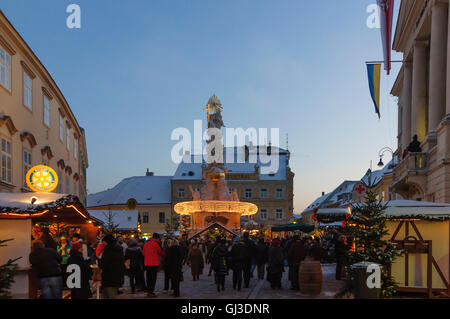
(381, 153)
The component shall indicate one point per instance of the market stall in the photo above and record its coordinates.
(21, 216)
(422, 230)
(293, 227)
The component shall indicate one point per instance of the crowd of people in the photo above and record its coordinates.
(142, 261)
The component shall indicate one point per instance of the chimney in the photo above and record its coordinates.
(148, 173)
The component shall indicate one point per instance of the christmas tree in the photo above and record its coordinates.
(367, 227)
(7, 272)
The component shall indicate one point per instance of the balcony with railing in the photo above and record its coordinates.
(411, 169)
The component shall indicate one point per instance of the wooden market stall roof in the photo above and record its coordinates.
(211, 226)
(396, 209)
(43, 207)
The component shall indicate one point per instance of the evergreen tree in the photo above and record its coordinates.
(7, 272)
(367, 227)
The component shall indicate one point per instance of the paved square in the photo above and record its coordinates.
(259, 289)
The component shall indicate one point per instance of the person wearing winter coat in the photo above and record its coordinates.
(113, 267)
(195, 260)
(47, 239)
(133, 253)
(219, 260)
(174, 265)
(276, 264)
(261, 257)
(76, 258)
(295, 255)
(63, 250)
(45, 262)
(250, 249)
(152, 260)
(237, 261)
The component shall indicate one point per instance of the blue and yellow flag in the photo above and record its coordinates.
(373, 71)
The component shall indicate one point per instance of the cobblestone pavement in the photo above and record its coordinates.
(259, 289)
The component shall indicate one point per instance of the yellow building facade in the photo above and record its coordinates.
(149, 195)
(37, 126)
(423, 91)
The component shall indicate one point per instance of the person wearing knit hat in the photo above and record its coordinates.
(76, 258)
(76, 247)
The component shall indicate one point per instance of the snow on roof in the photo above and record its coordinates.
(121, 219)
(146, 190)
(316, 203)
(346, 187)
(373, 178)
(190, 167)
(23, 200)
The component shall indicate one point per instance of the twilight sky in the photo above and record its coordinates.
(138, 69)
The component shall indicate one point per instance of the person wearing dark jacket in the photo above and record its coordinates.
(276, 264)
(341, 250)
(76, 258)
(133, 253)
(48, 240)
(237, 259)
(295, 255)
(174, 265)
(261, 257)
(317, 251)
(45, 262)
(250, 250)
(219, 260)
(113, 267)
(196, 262)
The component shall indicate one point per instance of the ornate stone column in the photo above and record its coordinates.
(419, 91)
(438, 62)
(406, 103)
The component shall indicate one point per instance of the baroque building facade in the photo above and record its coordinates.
(423, 91)
(37, 125)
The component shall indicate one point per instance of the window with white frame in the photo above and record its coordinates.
(279, 193)
(26, 165)
(263, 192)
(248, 193)
(6, 170)
(5, 69)
(46, 111)
(68, 138)
(180, 192)
(145, 217)
(278, 214)
(162, 217)
(61, 128)
(27, 91)
(75, 148)
(263, 214)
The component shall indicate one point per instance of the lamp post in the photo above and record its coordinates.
(381, 153)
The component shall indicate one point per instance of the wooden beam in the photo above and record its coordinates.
(430, 270)
(397, 230)
(406, 257)
(417, 231)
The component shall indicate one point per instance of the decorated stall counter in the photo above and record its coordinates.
(21, 217)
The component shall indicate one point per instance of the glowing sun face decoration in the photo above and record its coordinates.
(42, 179)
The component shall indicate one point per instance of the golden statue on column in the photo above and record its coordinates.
(213, 204)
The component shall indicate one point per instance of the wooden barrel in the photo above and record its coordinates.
(310, 277)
